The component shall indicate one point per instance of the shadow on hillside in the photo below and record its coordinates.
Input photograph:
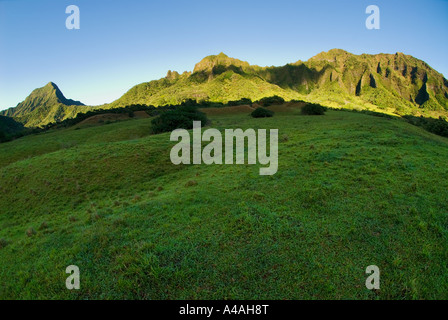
(437, 126)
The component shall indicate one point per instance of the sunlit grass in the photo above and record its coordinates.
(351, 190)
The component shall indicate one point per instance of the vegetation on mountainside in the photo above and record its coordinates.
(392, 83)
(129, 110)
(352, 190)
(201, 86)
(389, 83)
(436, 126)
(45, 105)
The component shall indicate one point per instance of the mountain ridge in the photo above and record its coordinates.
(390, 83)
(394, 83)
(44, 105)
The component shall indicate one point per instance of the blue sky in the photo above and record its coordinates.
(125, 42)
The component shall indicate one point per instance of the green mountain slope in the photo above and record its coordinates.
(216, 78)
(397, 83)
(45, 105)
(390, 83)
(352, 190)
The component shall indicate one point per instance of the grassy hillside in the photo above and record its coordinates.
(351, 190)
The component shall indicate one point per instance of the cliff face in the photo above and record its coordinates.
(394, 81)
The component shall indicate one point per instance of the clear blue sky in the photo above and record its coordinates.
(125, 42)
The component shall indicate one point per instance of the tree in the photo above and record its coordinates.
(179, 118)
(262, 113)
(313, 110)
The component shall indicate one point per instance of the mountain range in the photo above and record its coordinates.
(390, 83)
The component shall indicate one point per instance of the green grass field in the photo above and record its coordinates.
(352, 190)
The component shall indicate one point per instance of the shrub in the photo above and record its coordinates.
(240, 102)
(181, 117)
(266, 102)
(262, 113)
(313, 109)
(438, 126)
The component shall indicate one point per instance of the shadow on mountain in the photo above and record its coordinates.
(296, 77)
(10, 129)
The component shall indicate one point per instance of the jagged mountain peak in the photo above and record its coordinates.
(211, 63)
(43, 105)
(331, 55)
(51, 92)
(51, 85)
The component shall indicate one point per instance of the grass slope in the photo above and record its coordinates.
(352, 190)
